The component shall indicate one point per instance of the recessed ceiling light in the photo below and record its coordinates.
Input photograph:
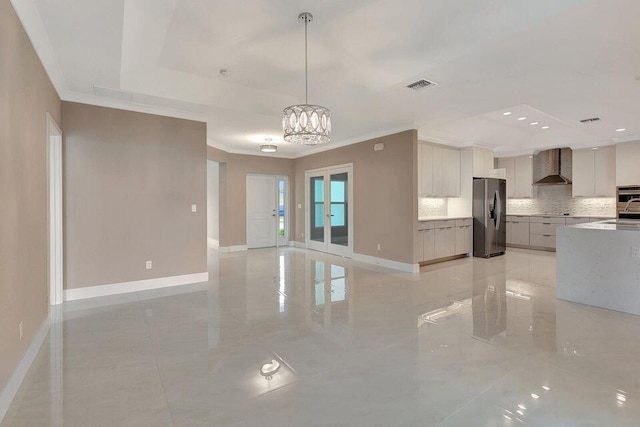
(621, 130)
(507, 113)
(535, 396)
(533, 123)
(544, 127)
(522, 118)
(594, 148)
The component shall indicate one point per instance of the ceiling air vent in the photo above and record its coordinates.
(591, 120)
(421, 84)
(112, 93)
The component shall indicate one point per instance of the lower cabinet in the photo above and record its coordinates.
(445, 242)
(428, 245)
(464, 239)
(443, 239)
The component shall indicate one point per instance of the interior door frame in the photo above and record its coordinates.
(327, 246)
(279, 241)
(54, 211)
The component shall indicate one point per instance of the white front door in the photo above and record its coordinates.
(262, 211)
(330, 210)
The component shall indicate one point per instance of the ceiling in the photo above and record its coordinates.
(554, 62)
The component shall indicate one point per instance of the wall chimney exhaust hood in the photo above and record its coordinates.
(552, 167)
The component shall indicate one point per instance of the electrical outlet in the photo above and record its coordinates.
(635, 251)
(194, 208)
(149, 265)
(299, 205)
(20, 330)
(379, 247)
(302, 235)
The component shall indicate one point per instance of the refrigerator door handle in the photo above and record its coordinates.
(498, 209)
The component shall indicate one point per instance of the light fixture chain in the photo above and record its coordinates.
(306, 71)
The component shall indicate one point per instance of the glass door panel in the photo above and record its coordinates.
(317, 208)
(339, 208)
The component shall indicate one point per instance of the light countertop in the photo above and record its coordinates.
(555, 215)
(628, 225)
(441, 218)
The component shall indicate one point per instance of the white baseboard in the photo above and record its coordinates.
(213, 243)
(138, 285)
(227, 249)
(296, 244)
(12, 386)
(396, 265)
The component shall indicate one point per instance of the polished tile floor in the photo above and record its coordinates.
(296, 338)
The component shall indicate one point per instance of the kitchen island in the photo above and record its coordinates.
(599, 264)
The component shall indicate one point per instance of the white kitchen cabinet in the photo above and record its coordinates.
(425, 170)
(523, 177)
(483, 162)
(543, 231)
(451, 172)
(605, 172)
(518, 230)
(445, 241)
(428, 245)
(627, 170)
(439, 171)
(509, 164)
(594, 172)
(519, 176)
(464, 239)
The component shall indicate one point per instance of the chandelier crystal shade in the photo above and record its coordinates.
(306, 123)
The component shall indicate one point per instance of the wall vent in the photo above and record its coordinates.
(591, 120)
(421, 84)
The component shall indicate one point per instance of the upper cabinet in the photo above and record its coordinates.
(438, 171)
(519, 176)
(594, 172)
(627, 160)
(482, 162)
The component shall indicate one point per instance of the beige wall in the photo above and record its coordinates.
(26, 95)
(130, 180)
(233, 190)
(385, 190)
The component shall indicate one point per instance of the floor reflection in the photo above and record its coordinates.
(282, 335)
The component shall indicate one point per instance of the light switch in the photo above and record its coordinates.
(635, 251)
(194, 208)
(299, 205)
(148, 265)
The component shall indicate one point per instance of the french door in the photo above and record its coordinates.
(329, 214)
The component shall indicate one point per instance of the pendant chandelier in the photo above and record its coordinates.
(305, 123)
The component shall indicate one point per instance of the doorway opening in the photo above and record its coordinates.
(213, 204)
(329, 213)
(267, 211)
(54, 153)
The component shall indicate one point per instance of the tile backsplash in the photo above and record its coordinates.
(428, 206)
(557, 199)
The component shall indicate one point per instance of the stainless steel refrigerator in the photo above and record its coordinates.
(489, 217)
